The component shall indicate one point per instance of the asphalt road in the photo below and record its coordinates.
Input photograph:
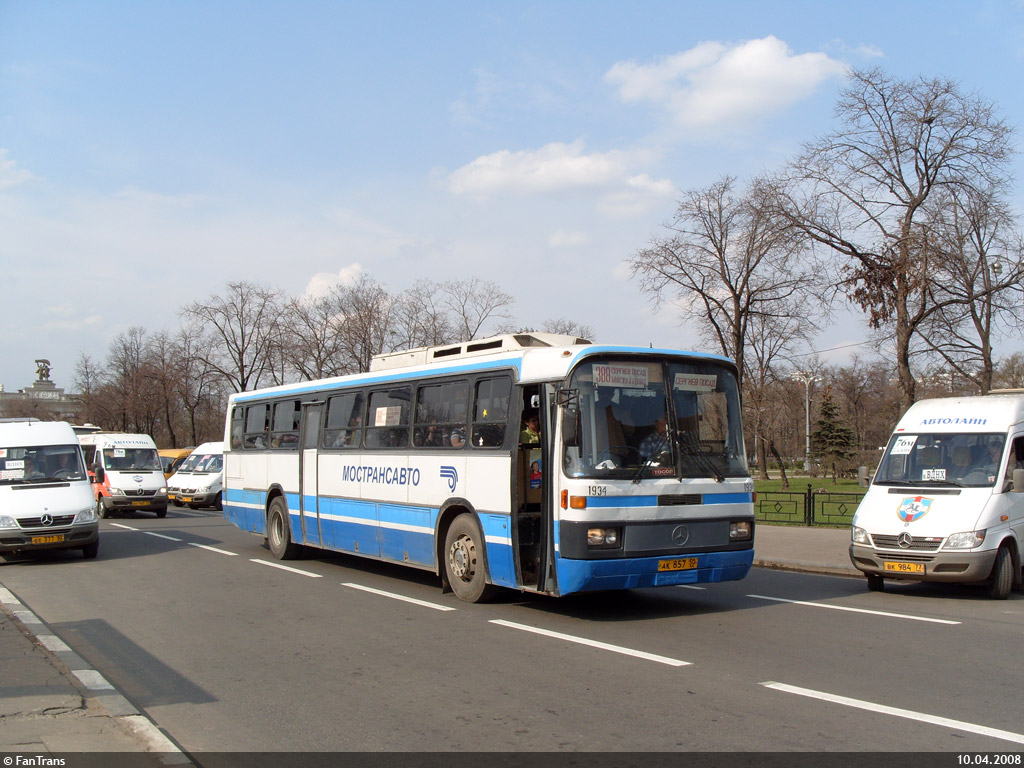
(225, 650)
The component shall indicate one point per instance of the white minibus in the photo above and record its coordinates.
(127, 474)
(199, 481)
(45, 499)
(947, 501)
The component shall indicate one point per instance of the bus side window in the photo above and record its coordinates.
(388, 421)
(490, 411)
(441, 415)
(344, 421)
(256, 419)
(284, 432)
(237, 428)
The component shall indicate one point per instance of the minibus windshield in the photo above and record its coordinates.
(132, 460)
(40, 464)
(966, 460)
(202, 463)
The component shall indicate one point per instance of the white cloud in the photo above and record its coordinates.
(716, 85)
(321, 283)
(565, 239)
(10, 174)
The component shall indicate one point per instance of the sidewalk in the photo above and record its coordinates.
(52, 703)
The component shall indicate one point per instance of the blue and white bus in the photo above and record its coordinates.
(637, 476)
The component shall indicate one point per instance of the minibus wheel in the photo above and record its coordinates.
(101, 509)
(876, 583)
(464, 561)
(1001, 581)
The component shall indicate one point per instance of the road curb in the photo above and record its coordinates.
(818, 570)
(97, 687)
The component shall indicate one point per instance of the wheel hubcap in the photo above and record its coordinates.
(461, 558)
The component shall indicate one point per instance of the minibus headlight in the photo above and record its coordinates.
(965, 540)
(116, 492)
(163, 490)
(860, 536)
(741, 531)
(6, 521)
(87, 515)
(603, 537)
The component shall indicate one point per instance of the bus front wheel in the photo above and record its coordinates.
(279, 535)
(464, 561)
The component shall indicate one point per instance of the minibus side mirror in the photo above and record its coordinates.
(570, 427)
(97, 474)
(1018, 481)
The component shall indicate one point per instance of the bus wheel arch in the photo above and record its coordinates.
(462, 557)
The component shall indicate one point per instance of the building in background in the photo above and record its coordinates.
(44, 400)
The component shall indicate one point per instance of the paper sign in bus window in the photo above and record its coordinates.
(388, 416)
(695, 382)
(903, 445)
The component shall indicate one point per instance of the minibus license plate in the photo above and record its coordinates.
(904, 567)
(140, 503)
(48, 539)
(186, 499)
(680, 564)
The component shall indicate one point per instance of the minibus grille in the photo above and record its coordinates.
(138, 492)
(37, 522)
(917, 544)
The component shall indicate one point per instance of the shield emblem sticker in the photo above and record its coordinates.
(914, 508)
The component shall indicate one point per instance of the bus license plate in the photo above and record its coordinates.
(140, 503)
(680, 564)
(56, 538)
(903, 567)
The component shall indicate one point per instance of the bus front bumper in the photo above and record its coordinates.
(642, 572)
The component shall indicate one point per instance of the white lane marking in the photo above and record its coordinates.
(689, 586)
(53, 643)
(945, 722)
(286, 568)
(126, 527)
(92, 679)
(593, 643)
(161, 536)
(393, 596)
(855, 610)
(213, 549)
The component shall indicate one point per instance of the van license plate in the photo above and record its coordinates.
(55, 539)
(680, 564)
(186, 499)
(140, 503)
(903, 567)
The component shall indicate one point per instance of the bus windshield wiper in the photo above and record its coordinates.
(690, 447)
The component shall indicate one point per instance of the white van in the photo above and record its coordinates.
(947, 501)
(126, 471)
(45, 498)
(199, 481)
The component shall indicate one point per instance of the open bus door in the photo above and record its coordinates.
(533, 524)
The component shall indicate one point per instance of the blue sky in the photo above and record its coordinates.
(150, 152)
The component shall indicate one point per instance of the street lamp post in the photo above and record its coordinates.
(807, 378)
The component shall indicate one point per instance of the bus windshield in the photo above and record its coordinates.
(963, 459)
(640, 418)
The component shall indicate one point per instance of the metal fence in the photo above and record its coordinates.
(810, 507)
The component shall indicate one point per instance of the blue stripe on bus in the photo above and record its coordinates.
(652, 501)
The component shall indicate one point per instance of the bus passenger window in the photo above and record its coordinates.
(285, 430)
(344, 421)
(440, 412)
(237, 428)
(490, 411)
(388, 421)
(256, 427)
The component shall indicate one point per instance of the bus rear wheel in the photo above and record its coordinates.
(464, 561)
(279, 534)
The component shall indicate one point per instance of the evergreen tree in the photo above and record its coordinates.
(832, 438)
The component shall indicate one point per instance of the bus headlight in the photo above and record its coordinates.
(860, 536)
(965, 540)
(741, 531)
(607, 538)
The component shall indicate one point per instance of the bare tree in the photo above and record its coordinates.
(366, 329)
(471, 304)
(731, 265)
(864, 191)
(244, 319)
(421, 319)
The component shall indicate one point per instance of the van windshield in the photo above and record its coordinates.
(203, 463)
(40, 464)
(966, 460)
(132, 460)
